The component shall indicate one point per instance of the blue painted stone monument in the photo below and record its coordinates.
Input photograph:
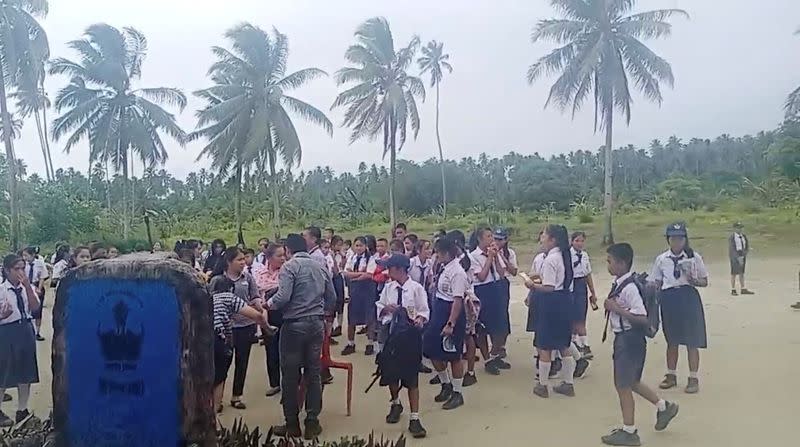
(133, 355)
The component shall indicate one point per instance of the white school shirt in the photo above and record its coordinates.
(419, 269)
(739, 242)
(663, 270)
(9, 298)
(368, 267)
(261, 259)
(553, 270)
(581, 266)
(453, 282)
(329, 262)
(39, 272)
(511, 261)
(415, 299)
(538, 262)
(479, 259)
(60, 269)
(629, 299)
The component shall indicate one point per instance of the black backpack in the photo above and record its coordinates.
(651, 300)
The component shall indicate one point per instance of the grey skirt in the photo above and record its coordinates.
(18, 355)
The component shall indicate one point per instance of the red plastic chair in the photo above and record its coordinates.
(327, 361)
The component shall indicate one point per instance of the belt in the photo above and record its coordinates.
(302, 319)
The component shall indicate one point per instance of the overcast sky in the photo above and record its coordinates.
(734, 63)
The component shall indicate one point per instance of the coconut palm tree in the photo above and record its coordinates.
(101, 104)
(32, 100)
(247, 119)
(23, 44)
(383, 98)
(433, 60)
(792, 105)
(601, 50)
(16, 127)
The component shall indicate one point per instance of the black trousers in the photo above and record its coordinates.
(272, 347)
(242, 343)
(301, 348)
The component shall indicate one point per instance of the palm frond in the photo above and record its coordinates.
(559, 30)
(792, 105)
(166, 95)
(308, 112)
(575, 9)
(654, 64)
(300, 78)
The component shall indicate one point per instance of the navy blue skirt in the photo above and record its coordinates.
(553, 320)
(580, 299)
(18, 355)
(494, 307)
(530, 325)
(683, 318)
(361, 310)
(432, 339)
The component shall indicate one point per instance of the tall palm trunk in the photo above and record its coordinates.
(392, 170)
(126, 225)
(47, 144)
(441, 157)
(608, 234)
(11, 161)
(42, 143)
(108, 188)
(273, 179)
(238, 200)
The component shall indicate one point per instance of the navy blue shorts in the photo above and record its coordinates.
(630, 351)
(580, 300)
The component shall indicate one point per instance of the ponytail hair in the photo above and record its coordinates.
(561, 236)
(458, 240)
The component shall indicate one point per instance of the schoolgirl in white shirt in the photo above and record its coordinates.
(37, 274)
(488, 274)
(508, 257)
(60, 265)
(18, 367)
(678, 272)
(363, 294)
(554, 309)
(421, 263)
(583, 292)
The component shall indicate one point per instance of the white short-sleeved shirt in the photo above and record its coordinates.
(9, 298)
(629, 299)
(329, 263)
(420, 271)
(60, 269)
(581, 266)
(511, 261)
(664, 269)
(538, 263)
(479, 259)
(453, 282)
(36, 271)
(317, 255)
(415, 299)
(553, 270)
(364, 265)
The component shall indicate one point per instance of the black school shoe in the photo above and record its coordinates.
(734, 293)
(313, 430)
(370, 350)
(424, 369)
(663, 418)
(435, 380)
(336, 332)
(670, 381)
(470, 379)
(796, 306)
(349, 349)
(621, 437)
(445, 393)
(39, 337)
(580, 368)
(5, 421)
(502, 364)
(747, 292)
(6, 397)
(416, 429)
(456, 400)
(492, 368)
(395, 412)
(21, 415)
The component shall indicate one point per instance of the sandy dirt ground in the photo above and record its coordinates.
(749, 395)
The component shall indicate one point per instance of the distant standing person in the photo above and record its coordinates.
(37, 273)
(738, 248)
(305, 296)
(313, 237)
(400, 231)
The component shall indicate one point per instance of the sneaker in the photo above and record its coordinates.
(349, 349)
(5, 421)
(394, 414)
(435, 380)
(565, 388)
(444, 394)
(470, 379)
(370, 350)
(456, 400)
(734, 293)
(796, 305)
(587, 353)
(663, 418)
(492, 368)
(333, 342)
(621, 437)
(541, 391)
(424, 369)
(313, 430)
(670, 381)
(336, 332)
(580, 368)
(21, 415)
(693, 386)
(6, 397)
(273, 391)
(502, 364)
(416, 429)
(39, 337)
(287, 431)
(747, 292)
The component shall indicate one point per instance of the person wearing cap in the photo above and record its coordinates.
(677, 273)
(489, 272)
(403, 305)
(738, 247)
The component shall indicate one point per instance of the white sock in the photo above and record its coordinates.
(457, 385)
(573, 351)
(583, 340)
(629, 429)
(377, 346)
(544, 373)
(672, 371)
(577, 340)
(395, 401)
(444, 376)
(351, 342)
(692, 375)
(661, 405)
(414, 416)
(568, 370)
(24, 395)
(470, 373)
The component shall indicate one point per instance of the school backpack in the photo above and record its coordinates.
(651, 300)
